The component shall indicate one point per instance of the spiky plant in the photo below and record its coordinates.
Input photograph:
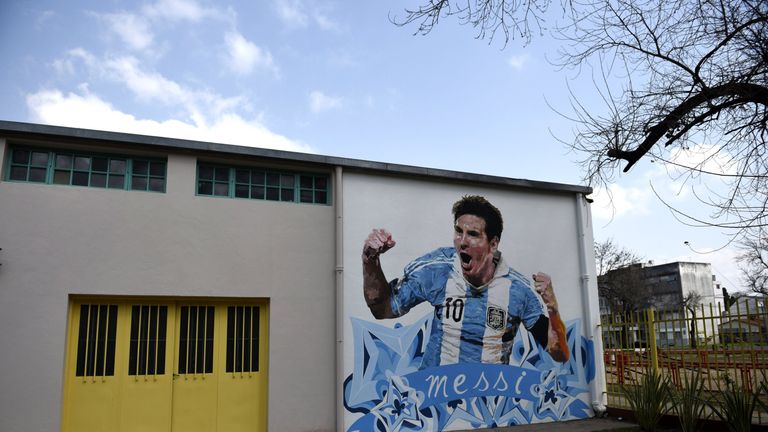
(649, 399)
(688, 403)
(734, 406)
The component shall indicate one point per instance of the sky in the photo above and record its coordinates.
(333, 78)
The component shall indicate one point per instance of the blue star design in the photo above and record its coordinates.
(553, 401)
(400, 407)
(382, 352)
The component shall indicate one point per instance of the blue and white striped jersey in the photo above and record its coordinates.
(471, 324)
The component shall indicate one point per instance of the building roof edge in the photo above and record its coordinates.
(22, 129)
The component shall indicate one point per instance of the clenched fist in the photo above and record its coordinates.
(378, 242)
(542, 283)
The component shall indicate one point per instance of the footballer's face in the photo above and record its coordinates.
(475, 249)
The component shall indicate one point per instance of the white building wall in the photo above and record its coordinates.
(64, 240)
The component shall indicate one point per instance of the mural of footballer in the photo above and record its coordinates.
(479, 300)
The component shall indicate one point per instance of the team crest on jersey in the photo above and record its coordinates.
(495, 318)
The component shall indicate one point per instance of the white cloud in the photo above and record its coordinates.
(295, 13)
(243, 56)
(292, 13)
(618, 201)
(518, 62)
(704, 157)
(67, 64)
(319, 102)
(147, 86)
(178, 10)
(325, 22)
(132, 29)
(698, 168)
(42, 19)
(89, 111)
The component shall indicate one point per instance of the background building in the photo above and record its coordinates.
(161, 284)
(678, 291)
(745, 321)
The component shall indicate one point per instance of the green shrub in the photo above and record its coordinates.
(688, 403)
(734, 406)
(649, 399)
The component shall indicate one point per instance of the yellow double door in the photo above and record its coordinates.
(148, 365)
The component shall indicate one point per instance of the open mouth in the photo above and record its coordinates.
(465, 259)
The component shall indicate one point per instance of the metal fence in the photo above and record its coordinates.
(722, 345)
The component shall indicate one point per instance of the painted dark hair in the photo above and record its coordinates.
(480, 207)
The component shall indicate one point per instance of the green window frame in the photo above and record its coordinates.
(262, 184)
(74, 168)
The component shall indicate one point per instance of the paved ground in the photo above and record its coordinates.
(588, 425)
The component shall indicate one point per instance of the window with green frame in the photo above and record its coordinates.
(261, 184)
(86, 169)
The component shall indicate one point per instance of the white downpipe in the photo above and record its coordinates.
(591, 309)
(339, 213)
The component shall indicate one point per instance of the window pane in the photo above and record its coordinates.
(157, 185)
(321, 182)
(257, 177)
(286, 195)
(205, 173)
(111, 341)
(273, 179)
(242, 176)
(133, 345)
(222, 174)
(99, 164)
(64, 161)
(40, 158)
(157, 169)
(82, 340)
(116, 182)
(140, 167)
(37, 174)
(306, 182)
(287, 180)
(321, 197)
(241, 191)
(96, 340)
(139, 183)
(183, 339)
(205, 188)
(117, 166)
(273, 194)
(221, 189)
(306, 196)
(80, 179)
(230, 363)
(61, 177)
(20, 156)
(209, 340)
(99, 180)
(101, 338)
(19, 173)
(255, 341)
(257, 192)
(82, 163)
(161, 331)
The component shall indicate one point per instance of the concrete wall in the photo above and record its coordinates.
(64, 240)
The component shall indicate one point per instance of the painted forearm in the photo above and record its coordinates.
(557, 343)
(376, 288)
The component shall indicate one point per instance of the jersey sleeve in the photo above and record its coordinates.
(533, 309)
(419, 282)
